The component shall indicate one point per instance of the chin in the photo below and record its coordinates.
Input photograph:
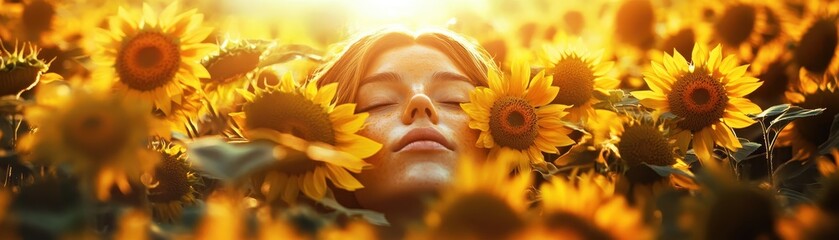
(401, 186)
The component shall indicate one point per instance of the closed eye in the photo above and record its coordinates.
(375, 106)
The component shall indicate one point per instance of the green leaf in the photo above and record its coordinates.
(373, 217)
(772, 111)
(791, 114)
(793, 197)
(229, 162)
(665, 171)
(748, 149)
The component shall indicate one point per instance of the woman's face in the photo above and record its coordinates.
(413, 95)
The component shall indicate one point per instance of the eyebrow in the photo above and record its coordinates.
(391, 76)
(450, 76)
(382, 76)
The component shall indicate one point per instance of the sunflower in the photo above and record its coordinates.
(576, 18)
(21, 71)
(588, 208)
(320, 138)
(515, 116)
(170, 185)
(229, 68)
(579, 74)
(640, 141)
(645, 149)
(153, 59)
(98, 135)
(806, 134)
(463, 210)
(817, 36)
(706, 96)
(772, 65)
(738, 25)
(633, 23)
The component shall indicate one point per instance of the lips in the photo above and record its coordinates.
(423, 139)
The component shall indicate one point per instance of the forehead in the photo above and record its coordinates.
(412, 60)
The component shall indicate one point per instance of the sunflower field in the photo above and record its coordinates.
(607, 119)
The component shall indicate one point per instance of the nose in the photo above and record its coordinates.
(420, 106)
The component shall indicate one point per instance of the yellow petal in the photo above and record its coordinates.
(743, 105)
(356, 145)
(737, 120)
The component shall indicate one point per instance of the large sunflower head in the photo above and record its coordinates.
(707, 96)
(483, 203)
(587, 208)
(319, 139)
(818, 36)
(806, 134)
(579, 74)
(20, 69)
(170, 185)
(153, 58)
(515, 116)
(99, 136)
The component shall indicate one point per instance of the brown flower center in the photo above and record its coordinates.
(817, 47)
(290, 113)
(480, 214)
(815, 129)
(574, 22)
(645, 144)
(37, 16)
(682, 41)
(172, 179)
(575, 81)
(634, 23)
(148, 60)
(95, 133)
(231, 65)
(573, 227)
(18, 79)
(736, 24)
(698, 99)
(513, 123)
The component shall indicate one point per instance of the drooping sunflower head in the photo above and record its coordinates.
(586, 206)
(232, 62)
(515, 115)
(150, 58)
(806, 134)
(642, 141)
(579, 74)
(707, 96)
(20, 69)
(170, 185)
(463, 210)
(818, 37)
(318, 138)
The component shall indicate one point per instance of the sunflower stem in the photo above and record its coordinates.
(768, 153)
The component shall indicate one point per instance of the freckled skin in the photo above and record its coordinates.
(401, 181)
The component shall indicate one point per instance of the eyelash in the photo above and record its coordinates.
(381, 105)
(375, 106)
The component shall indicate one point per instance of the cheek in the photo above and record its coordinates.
(459, 122)
(377, 127)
